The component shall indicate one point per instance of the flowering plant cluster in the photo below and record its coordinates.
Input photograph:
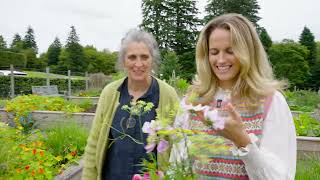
(30, 156)
(186, 142)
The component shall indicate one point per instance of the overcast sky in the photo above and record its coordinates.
(102, 23)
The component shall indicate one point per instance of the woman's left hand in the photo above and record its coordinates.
(234, 129)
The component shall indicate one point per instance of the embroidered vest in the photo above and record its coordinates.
(227, 166)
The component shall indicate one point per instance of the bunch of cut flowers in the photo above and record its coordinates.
(175, 134)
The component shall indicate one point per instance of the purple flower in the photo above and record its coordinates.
(162, 146)
(149, 148)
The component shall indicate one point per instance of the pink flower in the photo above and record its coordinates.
(137, 177)
(189, 106)
(213, 116)
(146, 176)
(162, 146)
(149, 148)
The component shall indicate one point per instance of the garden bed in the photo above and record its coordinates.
(308, 147)
(74, 172)
(46, 119)
(77, 99)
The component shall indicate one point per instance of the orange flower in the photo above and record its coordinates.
(34, 151)
(41, 153)
(41, 170)
(33, 173)
(18, 170)
(27, 167)
(73, 153)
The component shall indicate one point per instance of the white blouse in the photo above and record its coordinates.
(275, 158)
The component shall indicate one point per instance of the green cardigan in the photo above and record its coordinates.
(98, 139)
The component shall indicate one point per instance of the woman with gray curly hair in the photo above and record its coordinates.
(109, 154)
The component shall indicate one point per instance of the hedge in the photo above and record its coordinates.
(17, 59)
(22, 85)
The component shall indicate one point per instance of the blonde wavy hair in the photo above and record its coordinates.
(255, 78)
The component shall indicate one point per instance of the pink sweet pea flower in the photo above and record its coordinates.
(162, 146)
(213, 116)
(137, 177)
(149, 148)
(146, 176)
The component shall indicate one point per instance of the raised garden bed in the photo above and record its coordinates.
(48, 118)
(308, 147)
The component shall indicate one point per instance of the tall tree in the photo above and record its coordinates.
(17, 43)
(265, 38)
(182, 26)
(307, 39)
(173, 23)
(248, 8)
(169, 63)
(3, 44)
(29, 40)
(154, 20)
(54, 52)
(73, 56)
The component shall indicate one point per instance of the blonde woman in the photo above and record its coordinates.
(235, 76)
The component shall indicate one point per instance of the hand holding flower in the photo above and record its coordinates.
(234, 129)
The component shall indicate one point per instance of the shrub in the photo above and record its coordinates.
(307, 125)
(17, 59)
(22, 85)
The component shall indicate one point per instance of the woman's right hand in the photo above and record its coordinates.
(234, 129)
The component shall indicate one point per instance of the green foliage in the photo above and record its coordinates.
(66, 138)
(265, 38)
(22, 106)
(307, 125)
(31, 56)
(153, 13)
(188, 65)
(314, 80)
(3, 44)
(53, 52)
(29, 156)
(23, 85)
(17, 43)
(305, 101)
(287, 56)
(307, 39)
(118, 75)
(169, 63)
(29, 41)
(173, 23)
(2, 103)
(181, 85)
(248, 8)
(308, 169)
(89, 93)
(17, 59)
(100, 61)
(72, 57)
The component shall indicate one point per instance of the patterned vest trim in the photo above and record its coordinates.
(227, 166)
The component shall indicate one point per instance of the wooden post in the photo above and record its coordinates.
(11, 82)
(69, 83)
(87, 81)
(48, 74)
